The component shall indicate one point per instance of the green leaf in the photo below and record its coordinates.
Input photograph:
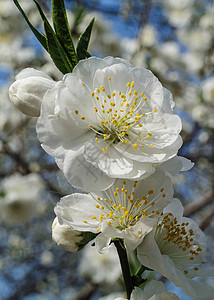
(55, 48)
(56, 51)
(83, 42)
(62, 29)
(44, 19)
(41, 38)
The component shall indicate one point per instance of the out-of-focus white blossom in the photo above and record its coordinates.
(46, 258)
(208, 90)
(28, 90)
(19, 197)
(11, 23)
(170, 50)
(100, 268)
(9, 116)
(193, 61)
(13, 53)
(178, 4)
(180, 17)
(197, 39)
(207, 20)
(148, 36)
(179, 13)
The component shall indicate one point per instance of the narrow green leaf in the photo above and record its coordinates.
(41, 38)
(56, 51)
(62, 29)
(44, 19)
(83, 42)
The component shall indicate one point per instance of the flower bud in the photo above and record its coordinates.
(28, 90)
(69, 239)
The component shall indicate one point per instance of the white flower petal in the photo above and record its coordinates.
(28, 72)
(176, 164)
(150, 85)
(110, 161)
(134, 235)
(74, 209)
(84, 175)
(175, 207)
(86, 69)
(102, 243)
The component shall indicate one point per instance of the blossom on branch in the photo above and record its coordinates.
(109, 120)
(19, 197)
(128, 210)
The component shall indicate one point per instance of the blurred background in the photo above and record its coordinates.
(175, 40)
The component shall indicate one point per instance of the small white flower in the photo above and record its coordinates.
(19, 196)
(27, 91)
(197, 39)
(178, 4)
(175, 248)
(100, 268)
(108, 120)
(9, 116)
(208, 90)
(127, 210)
(148, 36)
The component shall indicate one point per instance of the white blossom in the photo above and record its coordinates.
(9, 116)
(148, 36)
(100, 268)
(197, 39)
(127, 210)
(27, 91)
(110, 120)
(19, 197)
(175, 248)
(208, 90)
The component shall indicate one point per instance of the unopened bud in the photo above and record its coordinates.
(28, 90)
(69, 239)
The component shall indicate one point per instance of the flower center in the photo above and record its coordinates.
(119, 116)
(122, 209)
(176, 240)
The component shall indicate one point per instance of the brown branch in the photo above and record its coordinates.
(196, 206)
(207, 220)
(86, 292)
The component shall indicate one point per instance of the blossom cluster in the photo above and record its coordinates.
(111, 128)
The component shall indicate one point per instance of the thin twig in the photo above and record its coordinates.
(198, 205)
(207, 220)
